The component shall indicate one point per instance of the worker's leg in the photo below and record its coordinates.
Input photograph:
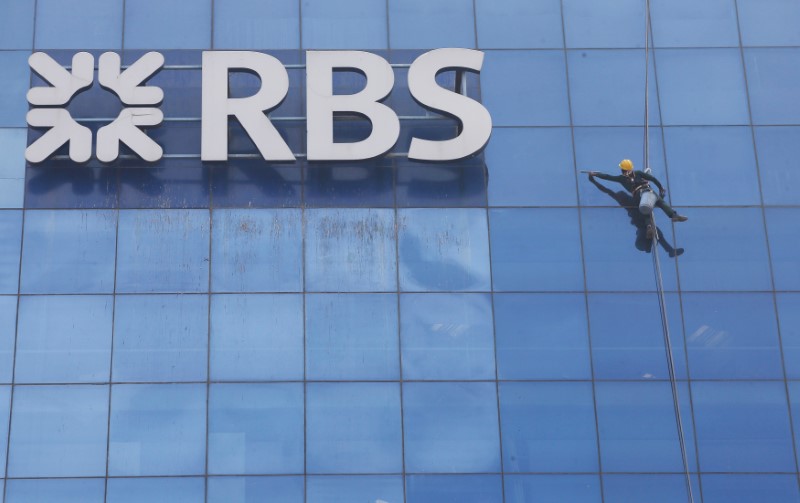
(667, 208)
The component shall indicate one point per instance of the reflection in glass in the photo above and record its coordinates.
(443, 249)
(732, 336)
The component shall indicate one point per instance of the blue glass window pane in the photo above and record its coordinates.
(778, 152)
(794, 400)
(443, 249)
(600, 97)
(732, 336)
(157, 429)
(451, 185)
(366, 184)
(79, 24)
(163, 251)
(447, 336)
(627, 336)
(351, 337)
(536, 249)
(8, 330)
(461, 488)
(256, 24)
(697, 155)
(253, 489)
(353, 428)
(560, 488)
(773, 77)
(589, 23)
(64, 339)
(173, 183)
(249, 183)
(69, 251)
(548, 427)
(13, 142)
(789, 317)
(172, 490)
(451, 427)
(56, 491)
(5, 410)
(350, 250)
(168, 24)
(525, 88)
(255, 428)
(684, 23)
(354, 489)
(60, 184)
(618, 254)
(16, 25)
(638, 430)
(531, 167)
(14, 85)
(743, 427)
(717, 257)
(506, 24)
(420, 24)
(11, 230)
(160, 338)
(601, 149)
(58, 431)
(355, 24)
(650, 488)
(750, 488)
(769, 22)
(257, 251)
(256, 337)
(720, 100)
(541, 336)
(12, 192)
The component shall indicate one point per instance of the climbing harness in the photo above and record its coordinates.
(653, 234)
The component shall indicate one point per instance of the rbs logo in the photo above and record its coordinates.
(251, 112)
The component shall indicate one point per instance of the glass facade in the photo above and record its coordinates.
(391, 331)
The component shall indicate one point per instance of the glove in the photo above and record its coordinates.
(663, 193)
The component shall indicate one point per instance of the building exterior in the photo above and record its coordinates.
(391, 331)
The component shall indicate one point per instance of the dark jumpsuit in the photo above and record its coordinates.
(636, 184)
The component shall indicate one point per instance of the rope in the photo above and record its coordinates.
(671, 367)
(657, 262)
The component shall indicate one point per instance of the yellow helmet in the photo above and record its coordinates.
(626, 165)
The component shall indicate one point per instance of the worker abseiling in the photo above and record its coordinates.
(638, 184)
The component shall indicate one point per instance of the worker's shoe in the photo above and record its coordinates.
(677, 252)
(679, 218)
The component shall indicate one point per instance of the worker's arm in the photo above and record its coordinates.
(604, 176)
(648, 176)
